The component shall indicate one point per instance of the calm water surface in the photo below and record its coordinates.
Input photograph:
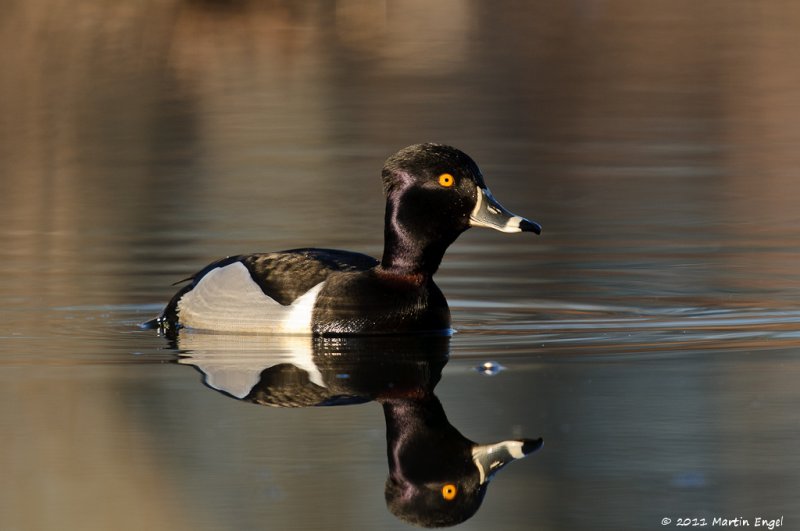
(650, 336)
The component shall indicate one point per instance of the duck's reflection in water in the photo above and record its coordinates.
(437, 477)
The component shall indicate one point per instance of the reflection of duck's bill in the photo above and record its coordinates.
(489, 458)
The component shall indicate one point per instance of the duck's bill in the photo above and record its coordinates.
(490, 458)
(489, 213)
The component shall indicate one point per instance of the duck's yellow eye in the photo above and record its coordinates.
(447, 180)
(449, 491)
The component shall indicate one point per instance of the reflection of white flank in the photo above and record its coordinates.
(227, 299)
(234, 364)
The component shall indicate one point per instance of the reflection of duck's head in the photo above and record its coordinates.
(438, 477)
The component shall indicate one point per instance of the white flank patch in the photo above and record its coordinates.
(227, 299)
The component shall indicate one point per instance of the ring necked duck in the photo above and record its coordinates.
(433, 193)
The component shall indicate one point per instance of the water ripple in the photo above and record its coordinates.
(522, 327)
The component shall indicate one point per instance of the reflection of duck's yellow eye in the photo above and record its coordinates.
(446, 180)
(449, 491)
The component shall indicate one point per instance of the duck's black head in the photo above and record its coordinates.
(434, 193)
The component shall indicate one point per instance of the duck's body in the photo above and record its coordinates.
(434, 193)
(308, 291)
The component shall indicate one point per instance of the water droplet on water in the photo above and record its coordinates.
(489, 368)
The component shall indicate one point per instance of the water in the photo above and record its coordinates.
(650, 336)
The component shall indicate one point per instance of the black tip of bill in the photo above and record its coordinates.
(531, 445)
(530, 226)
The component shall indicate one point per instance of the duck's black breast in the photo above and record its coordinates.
(379, 302)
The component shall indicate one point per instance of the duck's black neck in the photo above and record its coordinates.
(419, 437)
(412, 247)
(404, 256)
